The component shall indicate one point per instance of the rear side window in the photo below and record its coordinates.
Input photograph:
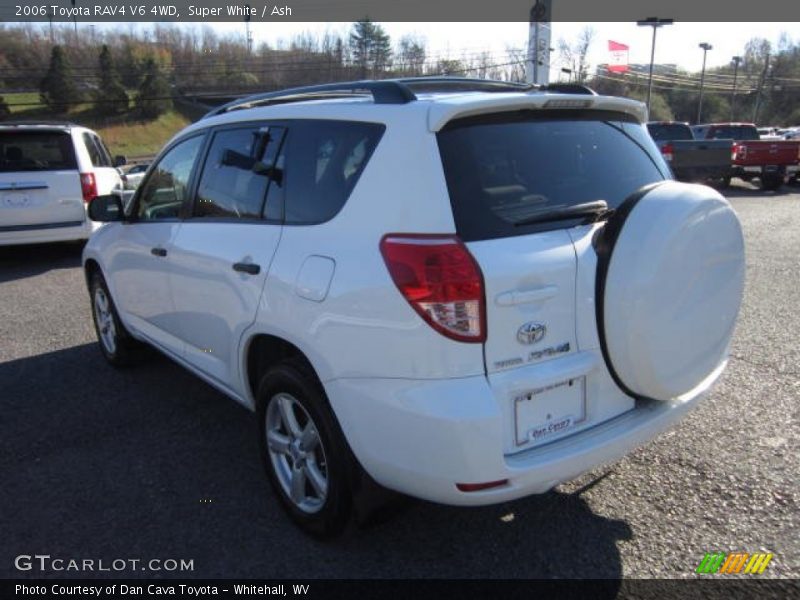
(235, 177)
(36, 151)
(661, 132)
(324, 160)
(503, 171)
(97, 151)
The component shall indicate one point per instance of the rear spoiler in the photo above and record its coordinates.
(445, 110)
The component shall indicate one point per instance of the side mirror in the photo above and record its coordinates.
(120, 160)
(106, 209)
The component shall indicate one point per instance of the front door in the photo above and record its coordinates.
(141, 256)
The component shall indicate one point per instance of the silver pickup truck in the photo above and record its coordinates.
(691, 159)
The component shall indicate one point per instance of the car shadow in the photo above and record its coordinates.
(151, 463)
(19, 262)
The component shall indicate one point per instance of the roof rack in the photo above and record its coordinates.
(41, 122)
(465, 84)
(385, 91)
(392, 91)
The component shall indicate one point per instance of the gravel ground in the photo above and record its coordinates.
(152, 463)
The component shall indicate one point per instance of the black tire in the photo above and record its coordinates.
(325, 515)
(771, 183)
(125, 350)
(724, 183)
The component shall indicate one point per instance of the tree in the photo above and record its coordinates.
(111, 98)
(411, 56)
(370, 46)
(154, 93)
(575, 56)
(57, 89)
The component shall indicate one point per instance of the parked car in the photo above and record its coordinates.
(690, 159)
(133, 176)
(48, 174)
(771, 161)
(452, 289)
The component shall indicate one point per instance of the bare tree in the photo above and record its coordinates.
(575, 56)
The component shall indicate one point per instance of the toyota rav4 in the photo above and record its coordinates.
(464, 291)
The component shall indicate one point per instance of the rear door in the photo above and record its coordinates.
(510, 176)
(223, 251)
(39, 183)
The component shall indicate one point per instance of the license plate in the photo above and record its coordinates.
(770, 168)
(547, 413)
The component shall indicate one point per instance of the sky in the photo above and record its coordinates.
(677, 43)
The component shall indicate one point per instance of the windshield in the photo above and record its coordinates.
(36, 151)
(506, 172)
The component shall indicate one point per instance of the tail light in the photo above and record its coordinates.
(667, 151)
(441, 281)
(88, 187)
(739, 152)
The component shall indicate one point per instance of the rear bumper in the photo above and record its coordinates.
(701, 173)
(422, 437)
(47, 232)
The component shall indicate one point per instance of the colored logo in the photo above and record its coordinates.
(735, 562)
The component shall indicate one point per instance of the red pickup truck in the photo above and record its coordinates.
(772, 161)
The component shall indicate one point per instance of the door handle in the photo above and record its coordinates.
(250, 268)
(158, 251)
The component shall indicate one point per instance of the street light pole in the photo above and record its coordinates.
(736, 61)
(655, 23)
(706, 47)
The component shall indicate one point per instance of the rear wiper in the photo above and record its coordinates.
(596, 210)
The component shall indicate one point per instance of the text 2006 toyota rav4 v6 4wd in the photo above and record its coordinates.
(464, 291)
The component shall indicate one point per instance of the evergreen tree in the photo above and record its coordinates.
(154, 92)
(111, 98)
(5, 111)
(370, 46)
(57, 89)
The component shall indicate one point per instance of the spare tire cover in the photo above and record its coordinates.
(670, 283)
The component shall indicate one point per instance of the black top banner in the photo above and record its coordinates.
(177, 11)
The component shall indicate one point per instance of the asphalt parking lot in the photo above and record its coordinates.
(152, 463)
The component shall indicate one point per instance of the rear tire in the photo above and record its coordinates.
(305, 454)
(116, 343)
(771, 183)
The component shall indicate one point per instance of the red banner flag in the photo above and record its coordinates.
(618, 57)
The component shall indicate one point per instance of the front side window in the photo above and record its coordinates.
(164, 192)
(324, 160)
(236, 176)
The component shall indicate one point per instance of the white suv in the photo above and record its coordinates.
(465, 291)
(48, 173)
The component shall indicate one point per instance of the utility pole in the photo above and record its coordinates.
(75, 21)
(655, 23)
(248, 33)
(538, 63)
(736, 61)
(760, 85)
(706, 47)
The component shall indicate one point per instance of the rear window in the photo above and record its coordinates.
(505, 170)
(734, 132)
(661, 132)
(36, 151)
